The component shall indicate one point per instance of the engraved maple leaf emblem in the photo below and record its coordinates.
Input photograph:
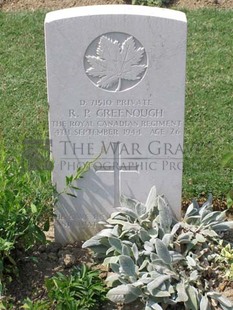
(116, 62)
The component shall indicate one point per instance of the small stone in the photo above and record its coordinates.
(36, 253)
(228, 293)
(27, 259)
(59, 267)
(68, 260)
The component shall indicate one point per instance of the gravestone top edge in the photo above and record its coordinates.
(136, 10)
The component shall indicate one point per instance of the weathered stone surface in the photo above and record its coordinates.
(116, 77)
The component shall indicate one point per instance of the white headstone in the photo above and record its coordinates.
(116, 88)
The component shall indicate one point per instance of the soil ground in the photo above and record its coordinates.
(45, 261)
(12, 5)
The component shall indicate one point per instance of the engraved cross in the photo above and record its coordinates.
(117, 168)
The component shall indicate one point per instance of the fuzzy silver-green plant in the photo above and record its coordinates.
(159, 260)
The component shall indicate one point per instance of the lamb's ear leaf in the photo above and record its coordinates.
(144, 264)
(185, 237)
(223, 226)
(192, 302)
(127, 265)
(116, 244)
(93, 241)
(209, 233)
(222, 300)
(211, 217)
(151, 199)
(200, 238)
(204, 304)
(162, 252)
(176, 257)
(125, 250)
(111, 260)
(152, 305)
(125, 293)
(207, 205)
(111, 279)
(175, 228)
(128, 202)
(167, 239)
(194, 275)
(135, 251)
(140, 209)
(153, 285)
(144, 236)
(165, 215)
(191, 210)
(129, 212)
(115, 267)
(181, 292)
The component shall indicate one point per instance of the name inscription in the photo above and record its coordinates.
(119, 119)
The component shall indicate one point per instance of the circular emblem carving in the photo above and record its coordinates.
(115, 62)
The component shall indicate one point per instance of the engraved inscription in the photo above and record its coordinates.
(118, 64)
(116, 117)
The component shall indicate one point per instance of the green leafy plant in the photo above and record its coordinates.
(36, 305)
(227, 252)
(151, 2)
(70, 180)
(26, 207)
(6, 303)
(226, 255)
(71, 187)
(83, 289)
(163, 262)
